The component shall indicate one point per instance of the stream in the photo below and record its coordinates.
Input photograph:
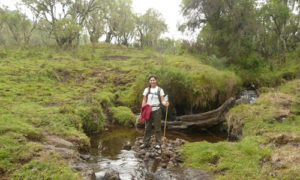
(108, 154)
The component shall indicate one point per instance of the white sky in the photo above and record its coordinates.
(170, 10)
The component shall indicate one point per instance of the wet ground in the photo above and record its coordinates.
(112, 151)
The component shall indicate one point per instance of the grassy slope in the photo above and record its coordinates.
(53, 92)
(268, 147)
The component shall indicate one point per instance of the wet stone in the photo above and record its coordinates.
(85, 157)
(167, 153)
(147, 155)
(108, 175)
(164, 165)
(127, 147)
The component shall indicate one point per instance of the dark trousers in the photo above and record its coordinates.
(155, 119)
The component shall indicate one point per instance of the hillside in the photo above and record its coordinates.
(69, 94)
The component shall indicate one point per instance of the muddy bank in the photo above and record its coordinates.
(68, 150)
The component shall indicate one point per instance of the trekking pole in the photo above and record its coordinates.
(165, 126)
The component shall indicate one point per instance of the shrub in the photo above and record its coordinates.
(93, 119)
(123, 115)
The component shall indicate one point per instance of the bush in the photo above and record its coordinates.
(93, 119)
(219, 63)
(123, 115)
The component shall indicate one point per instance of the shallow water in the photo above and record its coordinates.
(108, 154)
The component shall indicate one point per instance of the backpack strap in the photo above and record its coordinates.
(158, 92)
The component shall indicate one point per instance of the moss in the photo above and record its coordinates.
(93, 119)
(48, 167)
(270, 113)
(260, 129)
(228, 160)
(123, 115)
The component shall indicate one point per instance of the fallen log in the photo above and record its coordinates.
(201, 120)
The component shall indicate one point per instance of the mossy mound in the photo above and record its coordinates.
(123, 115)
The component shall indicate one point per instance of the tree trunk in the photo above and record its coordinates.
(108, 37)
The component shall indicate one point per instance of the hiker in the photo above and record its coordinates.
(154, 98)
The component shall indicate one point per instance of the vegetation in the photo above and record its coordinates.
(253, 38)
(267, 130)
(69, 23)
(70, 93)
(56, 79)
(123, 115)
(49, 167)
(191, 87)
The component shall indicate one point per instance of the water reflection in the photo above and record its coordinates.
(108, 153)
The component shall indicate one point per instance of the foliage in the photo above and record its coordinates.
(168, 46)
(245, 32)
(15, 27)
(65, 27)
(149, 27)
(228, 25)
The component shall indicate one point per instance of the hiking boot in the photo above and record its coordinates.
(144, 146)
(157, 146)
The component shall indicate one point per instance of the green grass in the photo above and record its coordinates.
(50, 167)
(123, 115)
(67, 93)
(228, 160)
(256, 126)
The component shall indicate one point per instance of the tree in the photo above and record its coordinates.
(95, 25)
(149, 27)
(111, 18)
(17, 25)
(227, 25)
(115, 19)
(276, 19)
(126, 26)
(65, 17)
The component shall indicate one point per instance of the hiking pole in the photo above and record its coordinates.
(165, 126)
